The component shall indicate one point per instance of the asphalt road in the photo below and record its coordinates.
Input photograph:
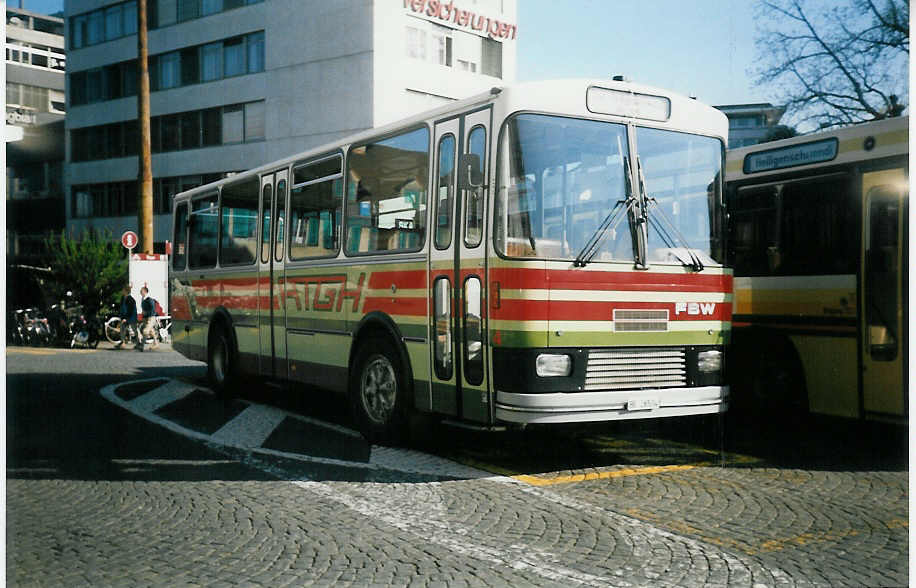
(123, 470)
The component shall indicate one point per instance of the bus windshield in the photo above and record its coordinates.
(560, 177)
(682, 179)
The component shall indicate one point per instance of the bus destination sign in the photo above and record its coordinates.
(804, 154)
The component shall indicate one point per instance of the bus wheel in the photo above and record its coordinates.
(778, 387)
(220, 369)
(378, 393)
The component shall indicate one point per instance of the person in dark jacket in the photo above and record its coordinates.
(148, 329)
(128, 314)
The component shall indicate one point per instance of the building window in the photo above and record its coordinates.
(212, 127)
(174, 132)
(211, 66)
(189, 66)
(96, 30)
(254, 121)
(114, 28)
(416, 43)
(169, 70)
(234, 57)
(166, 12)
(233, 124)
(255, 42)
(190, 130)
(188, 10)
(211, 7)
(491, 58)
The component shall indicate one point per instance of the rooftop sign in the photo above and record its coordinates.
(447, 12)
(804, 154)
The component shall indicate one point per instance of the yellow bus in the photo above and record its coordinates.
(818, 241)
(540, 253)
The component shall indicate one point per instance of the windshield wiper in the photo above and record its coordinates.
(610, 222)
(671, 242)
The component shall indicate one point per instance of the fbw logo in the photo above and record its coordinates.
(695, 308)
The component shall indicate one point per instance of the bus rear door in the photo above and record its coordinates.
(271, 273)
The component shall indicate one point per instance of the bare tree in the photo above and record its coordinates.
(835, 62)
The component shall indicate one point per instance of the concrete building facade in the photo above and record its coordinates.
(238, 83)
(35, 105)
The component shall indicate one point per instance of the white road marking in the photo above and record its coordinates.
(159, 397)
(423, 519)
(251, 427)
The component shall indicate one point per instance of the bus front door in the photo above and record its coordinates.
(271, 273)
(458, 272)
(883, 325)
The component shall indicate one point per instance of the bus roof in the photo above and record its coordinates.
(565, 96)
(869, 140)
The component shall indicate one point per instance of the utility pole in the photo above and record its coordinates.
(145, 208)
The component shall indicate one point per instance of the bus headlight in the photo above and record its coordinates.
(550, 365)
(709, 361)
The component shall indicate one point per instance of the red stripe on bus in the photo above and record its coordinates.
(577, 310)
(528, 278)
(396, 306)
(404, 279)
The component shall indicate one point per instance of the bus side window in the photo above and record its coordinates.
(473, 227)
(314, 209)
(442, 315)
(179, 238)
(239, 218)
(203, 231)
(265, 222)
(281, 217)
(386, 194)
(445, 190)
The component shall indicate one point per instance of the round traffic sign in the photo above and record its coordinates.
(129, 239)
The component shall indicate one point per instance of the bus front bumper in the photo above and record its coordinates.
(562, 407)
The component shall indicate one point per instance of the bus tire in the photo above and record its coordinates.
(221, 371)
(777, 386)
(378, 392)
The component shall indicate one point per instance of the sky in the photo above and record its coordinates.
(699, 48)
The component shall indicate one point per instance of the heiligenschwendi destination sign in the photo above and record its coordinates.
(783, 157)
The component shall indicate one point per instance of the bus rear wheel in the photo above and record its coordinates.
(378, 393)
(220, 362)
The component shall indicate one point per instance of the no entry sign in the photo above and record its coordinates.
(129, 239)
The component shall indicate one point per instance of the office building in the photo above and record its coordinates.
(238, 83)
(749, 124)
(35, 105)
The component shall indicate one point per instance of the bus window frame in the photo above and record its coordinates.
(430, 163)
(292, 186)
(204, 196)
(479, 193)
(254, 180)
(187, 227)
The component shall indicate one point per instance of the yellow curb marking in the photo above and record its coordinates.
(644, 471)
(28, 351)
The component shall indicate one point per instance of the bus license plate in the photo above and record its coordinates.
(642, 404)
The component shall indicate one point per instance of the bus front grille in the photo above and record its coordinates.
(640, 367)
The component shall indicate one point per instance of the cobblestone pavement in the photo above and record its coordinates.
(250, 507)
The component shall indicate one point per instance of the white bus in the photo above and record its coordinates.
(541, 253)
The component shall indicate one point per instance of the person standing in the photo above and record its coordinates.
(128, 314)
(148, 328)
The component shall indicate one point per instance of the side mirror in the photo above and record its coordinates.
(470, 173)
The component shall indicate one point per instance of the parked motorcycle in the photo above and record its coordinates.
(59, 325)
(37, 327)
(85, 331)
